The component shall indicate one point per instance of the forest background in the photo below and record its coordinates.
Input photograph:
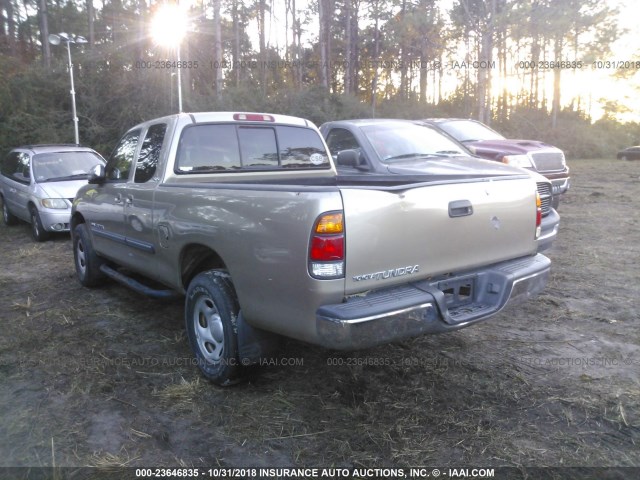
(518, 65)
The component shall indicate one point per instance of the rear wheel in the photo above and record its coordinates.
(624, 157)
(8, 217)
(38, 232)
(211, 315)
(85, 258)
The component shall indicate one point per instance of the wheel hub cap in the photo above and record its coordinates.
(208, 329)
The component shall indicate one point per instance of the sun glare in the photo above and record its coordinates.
(169, 25)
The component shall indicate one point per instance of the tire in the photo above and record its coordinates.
(86, 260)
(211, 315)
(623, 157)
(38, 232)
(8, 217)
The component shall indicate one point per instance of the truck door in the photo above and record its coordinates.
(138, 200)
(107, 219)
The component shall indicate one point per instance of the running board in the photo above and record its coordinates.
(137, 286)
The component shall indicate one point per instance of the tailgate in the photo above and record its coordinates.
(395, 236)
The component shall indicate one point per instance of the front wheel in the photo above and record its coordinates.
(38, 232)
(85, 258)
(211, 315)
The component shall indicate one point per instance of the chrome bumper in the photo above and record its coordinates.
(549, 230)
(560, 186)
(387, 315)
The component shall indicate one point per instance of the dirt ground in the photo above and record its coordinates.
(103, 377)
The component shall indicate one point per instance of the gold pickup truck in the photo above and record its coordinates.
(244, 215)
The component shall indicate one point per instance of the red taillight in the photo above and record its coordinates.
(253, 117)
(326, 248)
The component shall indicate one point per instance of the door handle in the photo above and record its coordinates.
(128, 200)
(460, 208)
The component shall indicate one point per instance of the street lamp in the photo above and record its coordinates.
(69, 38)
(168, 28)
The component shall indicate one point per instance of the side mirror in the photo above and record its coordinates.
(97, 174)
(348, 158)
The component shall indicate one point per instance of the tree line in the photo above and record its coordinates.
(486, 59)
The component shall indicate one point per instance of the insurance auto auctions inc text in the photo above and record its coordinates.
(375, 473)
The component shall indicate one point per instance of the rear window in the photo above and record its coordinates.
(232, 148)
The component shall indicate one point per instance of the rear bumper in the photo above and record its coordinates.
(430, 306)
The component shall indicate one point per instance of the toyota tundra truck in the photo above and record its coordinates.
(244, 215)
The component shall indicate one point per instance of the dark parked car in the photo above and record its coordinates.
(631, 153)
(409, 149)
(531, 154)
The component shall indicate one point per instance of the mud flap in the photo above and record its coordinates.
(255, 344)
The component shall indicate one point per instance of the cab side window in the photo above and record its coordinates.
(121, 159)
(16, 166)
(150, 153)
(340, 139)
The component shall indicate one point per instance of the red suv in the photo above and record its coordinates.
(489, 144)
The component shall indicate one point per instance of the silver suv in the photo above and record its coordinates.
(39, 182)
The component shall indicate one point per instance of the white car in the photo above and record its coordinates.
(39, 182)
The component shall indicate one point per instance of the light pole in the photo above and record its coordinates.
(179, 82)
(69, 38)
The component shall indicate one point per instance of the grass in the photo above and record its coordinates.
(32, 251)
(121, 459)
(181, 395)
